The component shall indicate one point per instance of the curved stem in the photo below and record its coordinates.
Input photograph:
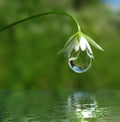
(42, 14)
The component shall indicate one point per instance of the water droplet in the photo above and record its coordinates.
(80, 61)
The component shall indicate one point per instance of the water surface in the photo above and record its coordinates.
(51, 106)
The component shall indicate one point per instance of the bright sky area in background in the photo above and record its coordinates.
(115, 4)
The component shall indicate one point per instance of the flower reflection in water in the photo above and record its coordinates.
(84, 107)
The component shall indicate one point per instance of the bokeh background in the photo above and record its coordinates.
(28, 52)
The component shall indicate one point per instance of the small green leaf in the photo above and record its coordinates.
(92, 42)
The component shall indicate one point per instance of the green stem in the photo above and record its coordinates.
(43, 14)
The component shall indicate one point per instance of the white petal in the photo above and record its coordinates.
(83, 43)
(89, 48)
(69, 48)
(72, 45)
(76, 45)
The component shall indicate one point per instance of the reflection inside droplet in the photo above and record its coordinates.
(80, 61)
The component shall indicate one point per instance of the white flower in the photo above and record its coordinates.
(78, 45)
(83, 45)
(79, 52)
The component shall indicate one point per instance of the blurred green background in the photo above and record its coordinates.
(28, 52)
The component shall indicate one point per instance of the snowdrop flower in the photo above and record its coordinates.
(79, 52)
(83, 45)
